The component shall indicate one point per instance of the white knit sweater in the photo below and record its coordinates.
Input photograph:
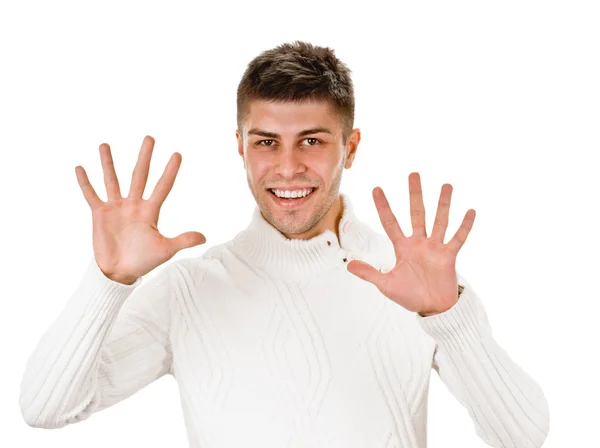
(274, 343)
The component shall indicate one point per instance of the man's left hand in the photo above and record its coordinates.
(424, 277)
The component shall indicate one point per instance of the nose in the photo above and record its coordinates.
(289, 161)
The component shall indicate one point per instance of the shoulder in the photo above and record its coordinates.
(193, 270)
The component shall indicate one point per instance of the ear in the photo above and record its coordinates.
(240, 141)
(351, 147)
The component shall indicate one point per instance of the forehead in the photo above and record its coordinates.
(292, 117)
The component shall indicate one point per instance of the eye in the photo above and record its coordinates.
(264, 142)
(314, 141)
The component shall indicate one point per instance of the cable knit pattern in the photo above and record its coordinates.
(274, 343)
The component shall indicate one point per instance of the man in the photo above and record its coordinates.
(308, 328)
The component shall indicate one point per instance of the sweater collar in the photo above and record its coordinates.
(262, 246)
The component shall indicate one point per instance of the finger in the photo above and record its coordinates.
(417, 208)
(165, 183)
(461, 234)
(365, 271)
(186, 240)
(140, 172)
(387, 217)
(441, 216)
(111, 182)
(86, 187)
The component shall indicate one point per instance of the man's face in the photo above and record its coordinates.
(290, 146)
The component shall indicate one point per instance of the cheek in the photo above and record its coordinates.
(326, 168)
(257, 168)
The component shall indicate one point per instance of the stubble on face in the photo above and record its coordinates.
(291, 222)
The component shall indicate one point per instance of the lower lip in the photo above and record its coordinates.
(291, 203)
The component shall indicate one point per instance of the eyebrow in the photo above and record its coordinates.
(262, 133)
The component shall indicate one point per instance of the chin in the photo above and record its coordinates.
(292, 220)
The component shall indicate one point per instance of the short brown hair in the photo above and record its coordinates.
(298, 71)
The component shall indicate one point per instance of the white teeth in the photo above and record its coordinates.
(292, 194)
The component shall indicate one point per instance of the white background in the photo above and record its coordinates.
(502, 100)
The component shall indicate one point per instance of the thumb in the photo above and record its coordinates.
(365, 271)
(186, 240)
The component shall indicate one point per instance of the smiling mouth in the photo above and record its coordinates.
(282, 196)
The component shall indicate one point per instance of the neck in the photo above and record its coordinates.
(265, 248)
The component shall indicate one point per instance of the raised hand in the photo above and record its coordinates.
(424, 277)
(127, 243)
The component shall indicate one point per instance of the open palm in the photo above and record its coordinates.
(424, 277)
(126, 240)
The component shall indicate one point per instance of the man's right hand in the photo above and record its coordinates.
(127, 243)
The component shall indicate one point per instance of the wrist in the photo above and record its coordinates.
(122, 279)
(433, 313)
(462, 326)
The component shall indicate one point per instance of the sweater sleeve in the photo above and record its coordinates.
(108, 342)
(507, 407)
